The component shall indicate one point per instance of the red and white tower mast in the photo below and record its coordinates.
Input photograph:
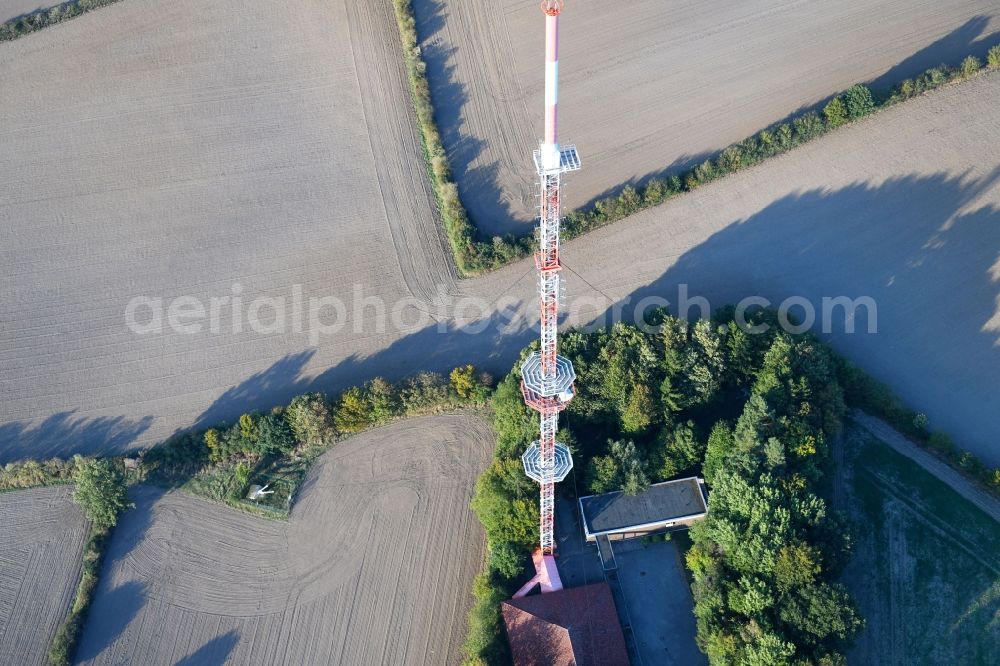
(547, 378)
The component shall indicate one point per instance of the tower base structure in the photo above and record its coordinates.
(546, 575)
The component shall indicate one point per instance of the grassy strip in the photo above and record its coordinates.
(484, 639)
(33, 473)
(867, 393)
(471, 255)
(905, 509)
(64, 642)
(29, 23)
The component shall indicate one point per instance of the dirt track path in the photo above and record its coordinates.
(967, 489)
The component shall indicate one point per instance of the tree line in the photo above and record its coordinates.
(766, 558)
(853, 104)
(755, 415)
(29, 23)
(230, 456)
(676, 400)
(101, 487)
(474, 254)
(221, 462)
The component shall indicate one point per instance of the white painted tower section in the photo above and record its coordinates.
(547, 378)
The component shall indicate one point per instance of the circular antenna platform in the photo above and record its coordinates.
(559, 383)
(532, 460)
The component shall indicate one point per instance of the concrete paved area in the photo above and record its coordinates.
(578, 560)
(652, 581)
(652, 577)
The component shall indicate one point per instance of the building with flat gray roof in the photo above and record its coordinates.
(661, 507)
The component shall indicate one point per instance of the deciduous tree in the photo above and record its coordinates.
(100, 491)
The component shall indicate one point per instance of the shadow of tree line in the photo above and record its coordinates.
(116, 606)
(725, 252)
(479, 184)
(967, 39)
(62, 431)
(910, 243)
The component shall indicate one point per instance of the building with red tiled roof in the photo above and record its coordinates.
(571, 627)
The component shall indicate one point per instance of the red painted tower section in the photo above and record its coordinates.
(547, 378)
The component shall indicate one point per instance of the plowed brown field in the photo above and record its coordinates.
(374, 566)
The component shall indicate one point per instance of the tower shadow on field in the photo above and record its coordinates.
(918, 245)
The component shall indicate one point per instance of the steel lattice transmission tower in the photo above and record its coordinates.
(547, 378)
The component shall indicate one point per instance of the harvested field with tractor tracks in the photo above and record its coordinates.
(373, 567)
(215, 148)
(648, 86)
(197, 150)
(42, 533)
